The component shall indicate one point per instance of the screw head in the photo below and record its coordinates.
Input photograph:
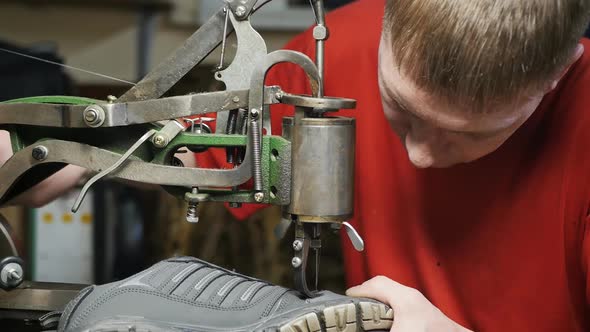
(240, 11)
(160, 141)
(236, 99)
(235, 205)
(90, 116)
(296, 262)
(40, 153)
(320, 32)
(258, 197)
(297, 245)
(111, 99)
(94, 116)
(254, 113)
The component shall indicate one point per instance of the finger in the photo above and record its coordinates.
(379, 288)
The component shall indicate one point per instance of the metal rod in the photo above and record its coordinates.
(320, 35)
(109, 170)
(224, 40)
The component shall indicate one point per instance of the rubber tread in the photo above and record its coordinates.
(346, 317)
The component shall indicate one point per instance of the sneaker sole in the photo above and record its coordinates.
(349, 317)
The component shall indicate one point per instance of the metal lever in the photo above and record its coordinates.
(355, 238)
(306, 237)
(111, 169)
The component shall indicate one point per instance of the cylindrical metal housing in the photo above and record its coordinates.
(322, 168)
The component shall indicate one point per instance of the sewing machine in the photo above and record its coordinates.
(308, 170)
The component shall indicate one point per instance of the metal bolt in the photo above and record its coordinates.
(192, 214)
(90, 116)
(111, 99)
(258, 197)
(297, 245)
(94, 116)
(160, 141)
(192, 218)
(296, 262)
(236, 99)
(235, 205)
(279, 95)
(240, 11)
(40, 153)
(13, 275)
(254, 112)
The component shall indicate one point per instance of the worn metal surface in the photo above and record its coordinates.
(323, 155)
(48, 112)
(40, 112)
(96, 159)
(317, 103)
(37, 296)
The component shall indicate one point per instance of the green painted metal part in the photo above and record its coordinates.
(53, 100)
(273, 165)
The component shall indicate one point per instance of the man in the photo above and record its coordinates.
(472, 182)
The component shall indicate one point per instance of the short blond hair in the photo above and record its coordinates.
(483, 50)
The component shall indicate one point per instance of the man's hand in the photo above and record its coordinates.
(412, 312)
(47, 190)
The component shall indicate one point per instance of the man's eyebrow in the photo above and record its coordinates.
(401, 102)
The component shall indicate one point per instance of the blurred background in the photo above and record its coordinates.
(121, 229)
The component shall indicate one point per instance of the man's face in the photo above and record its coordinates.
(436, 134)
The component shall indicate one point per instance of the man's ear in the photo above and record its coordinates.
(575, 57)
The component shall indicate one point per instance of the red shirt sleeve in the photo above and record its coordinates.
(291, 79)
(586, 260)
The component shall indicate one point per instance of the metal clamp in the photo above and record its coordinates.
(307, 236)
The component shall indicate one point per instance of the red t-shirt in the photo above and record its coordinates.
(499, 244)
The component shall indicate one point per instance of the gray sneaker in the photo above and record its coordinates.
(187, 294)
